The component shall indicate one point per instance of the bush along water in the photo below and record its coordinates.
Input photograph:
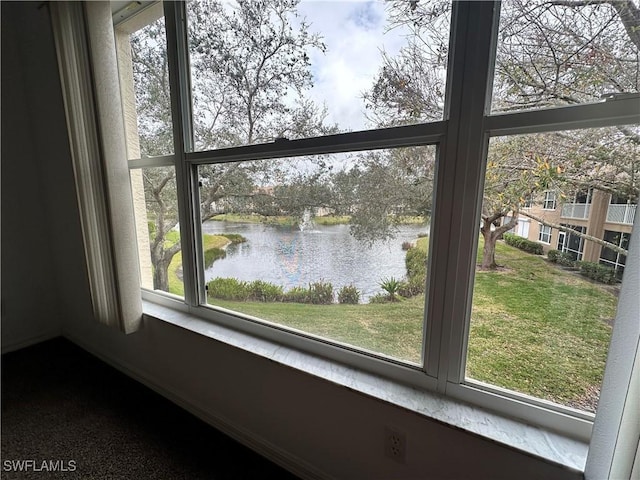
(391, 286)
(318, 293)
(349, 294)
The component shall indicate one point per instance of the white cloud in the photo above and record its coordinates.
(354, 33)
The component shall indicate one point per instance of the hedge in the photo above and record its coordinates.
(319, 293)
(522, 243)
(597, 272)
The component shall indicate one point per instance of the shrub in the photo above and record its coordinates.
(552, 255)
(391, 286)
(228, 289)
(415, 261)
(212, 255)
(349, 294)
(407, 245)
(297, 295)
(379, 298)
(565, 259)
(522, 243)
(261, 291)
(321, 293)
(234, 237)
(415, 286)
(597, 272)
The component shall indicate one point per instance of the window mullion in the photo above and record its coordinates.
(459, 189)
(186, 181)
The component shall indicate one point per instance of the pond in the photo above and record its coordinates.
(290, 256)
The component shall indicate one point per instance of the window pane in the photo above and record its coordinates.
(332, 245)
(567, 53)
(156, 212)
(144, 80)
(540, 325)
(265, 70)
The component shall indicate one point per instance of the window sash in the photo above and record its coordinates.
(463, 138)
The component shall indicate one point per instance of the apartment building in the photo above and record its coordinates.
(593, 212)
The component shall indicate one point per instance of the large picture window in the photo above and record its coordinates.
(356, 196)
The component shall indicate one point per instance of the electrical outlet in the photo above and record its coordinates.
(395, 444)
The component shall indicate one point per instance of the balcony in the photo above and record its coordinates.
(624, 213)
(576, 210)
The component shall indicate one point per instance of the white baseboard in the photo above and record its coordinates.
(289, 462)
(27, 342)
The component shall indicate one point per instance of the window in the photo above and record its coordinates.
(615, 259)
(320, 245)
(549, 201)
(571, 242)
(544, 234)
(336, 208)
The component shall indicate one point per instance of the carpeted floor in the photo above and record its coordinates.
(61, 404)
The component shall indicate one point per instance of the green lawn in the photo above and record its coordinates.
(176, 286)
(539, 329)
(535, 327)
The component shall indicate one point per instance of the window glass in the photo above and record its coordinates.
(545, 233)
(564, 53)
(144, 79)
(156, 212)
(537, 321)
(614, 258)
(549, 201)
(331, 245)
(266, 70)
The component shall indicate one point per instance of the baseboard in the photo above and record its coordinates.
(27, 342)
(275, 454)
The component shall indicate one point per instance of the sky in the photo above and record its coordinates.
(354, 33)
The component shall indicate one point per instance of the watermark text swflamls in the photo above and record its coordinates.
(39, 465)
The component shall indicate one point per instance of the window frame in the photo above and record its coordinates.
(550, 201)
(462, 140)
(544, 231)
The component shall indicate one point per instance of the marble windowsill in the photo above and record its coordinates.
(532, 440)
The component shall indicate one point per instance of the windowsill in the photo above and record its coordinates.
(531, 440)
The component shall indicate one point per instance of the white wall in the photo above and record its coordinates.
(324, 427)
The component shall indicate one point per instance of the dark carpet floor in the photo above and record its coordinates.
(61, 404)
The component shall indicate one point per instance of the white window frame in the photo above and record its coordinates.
(462, 139)
(544, 234)
(549, 200)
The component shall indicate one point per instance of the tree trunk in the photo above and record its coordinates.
(161, 260)
(161, 275)
(489, 250)
(491, 237)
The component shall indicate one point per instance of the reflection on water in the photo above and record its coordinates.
(292, 257)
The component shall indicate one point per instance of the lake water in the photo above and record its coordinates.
(292, 257)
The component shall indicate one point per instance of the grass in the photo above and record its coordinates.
(211, 245)
(332, 220)
(248, 218)
(393, 329)
(423, 243)
(538, 329)
(535, 328)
